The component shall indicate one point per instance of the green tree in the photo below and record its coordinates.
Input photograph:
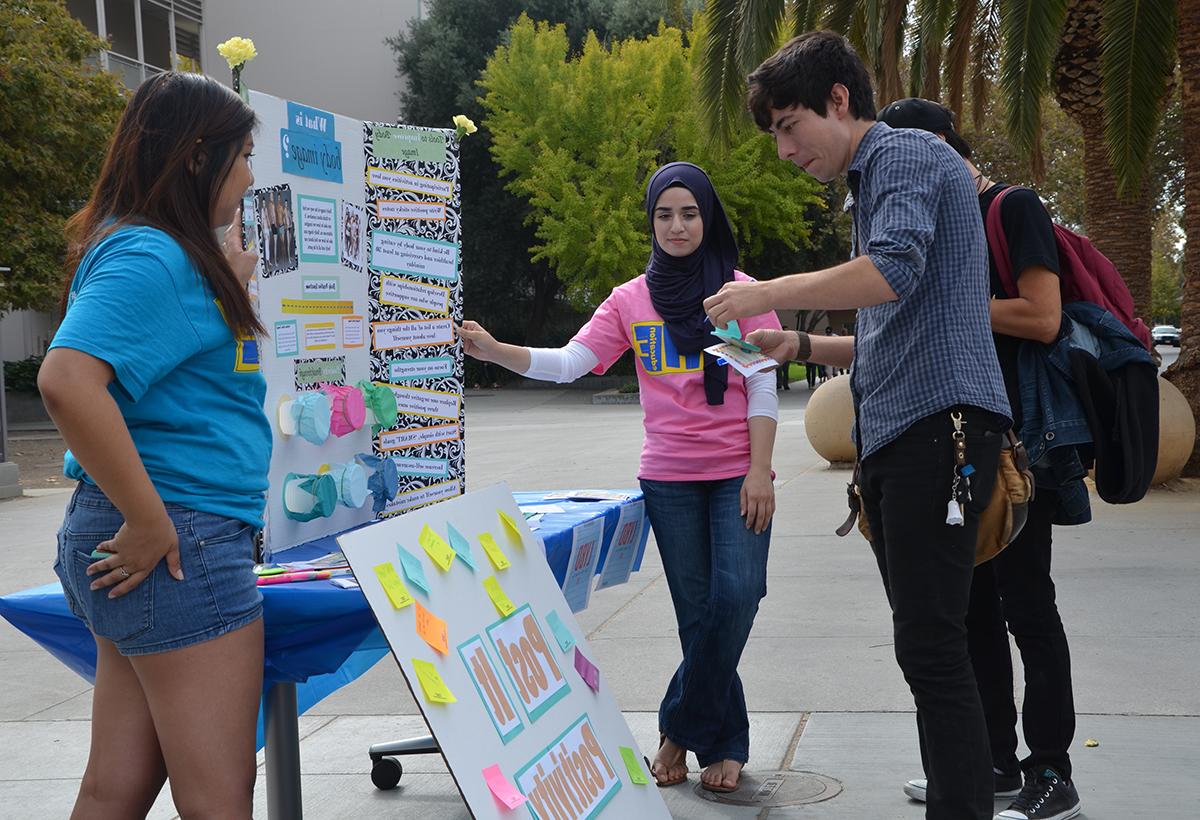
(440, 58)
(1167, 268)
(578, 139)
(56, 116)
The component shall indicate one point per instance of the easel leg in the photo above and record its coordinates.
(283, 754)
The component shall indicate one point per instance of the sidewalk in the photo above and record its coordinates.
(819, 673)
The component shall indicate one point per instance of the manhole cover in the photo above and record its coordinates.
(777, 789)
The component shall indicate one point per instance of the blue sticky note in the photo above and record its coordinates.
(561, 633)
(461, 546)
(413, 571)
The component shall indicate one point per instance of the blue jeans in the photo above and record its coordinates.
(717, 573)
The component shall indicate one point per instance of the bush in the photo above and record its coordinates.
(21, 377)
(631, 387)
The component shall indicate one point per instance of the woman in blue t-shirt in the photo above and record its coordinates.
(153, 381)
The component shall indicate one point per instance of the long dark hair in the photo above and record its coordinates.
(173, 148)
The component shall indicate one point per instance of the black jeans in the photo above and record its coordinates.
(927, 566)
(1014, 589)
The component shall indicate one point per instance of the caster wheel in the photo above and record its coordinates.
(386, 772)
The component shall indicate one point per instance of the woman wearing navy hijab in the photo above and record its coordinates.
(706, 459)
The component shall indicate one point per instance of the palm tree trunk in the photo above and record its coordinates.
(1120, 228)
(1185, 373)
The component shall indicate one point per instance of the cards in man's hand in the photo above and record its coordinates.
(740, 359)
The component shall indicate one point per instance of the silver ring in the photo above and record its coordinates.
(124, 572)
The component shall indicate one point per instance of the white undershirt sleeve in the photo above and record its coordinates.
(761, 398)
(561, 364)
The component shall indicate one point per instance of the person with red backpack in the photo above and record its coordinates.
(1014, 591)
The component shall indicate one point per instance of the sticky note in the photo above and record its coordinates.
(436, 547)
(461, 546)
(435, 689)
(413, 571)
(730, 331)
(587, 670)
(396, 591)
(494, 554)
(633, 766)
(432, 629)
(503, 605)
(501, 788)
(561, 633)
(511, 528)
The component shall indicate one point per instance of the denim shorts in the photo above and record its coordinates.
(218, 593)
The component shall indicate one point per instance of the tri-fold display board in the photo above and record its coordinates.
(359, 284)
(499, 667)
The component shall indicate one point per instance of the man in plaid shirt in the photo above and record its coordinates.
(923, 366)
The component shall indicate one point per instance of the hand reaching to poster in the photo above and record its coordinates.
(242, 261)
(479, 344)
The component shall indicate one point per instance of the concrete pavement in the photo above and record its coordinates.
(819, 673)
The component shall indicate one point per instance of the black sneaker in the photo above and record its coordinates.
(1046, 796)
(1007, 785)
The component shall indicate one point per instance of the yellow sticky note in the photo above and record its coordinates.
(436, 548)
(503, 605)
(511, 528)
(396, 591)
(432, 629)
(494, 553)
(435, 689)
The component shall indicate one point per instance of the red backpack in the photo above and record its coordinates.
(1085, 274)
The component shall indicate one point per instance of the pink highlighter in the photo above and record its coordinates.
(289, 577)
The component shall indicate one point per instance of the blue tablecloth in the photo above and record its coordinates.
(317, 635)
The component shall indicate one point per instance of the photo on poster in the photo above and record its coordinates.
(276, 229)
(354, 221)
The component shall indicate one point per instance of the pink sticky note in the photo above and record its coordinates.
(587, 670)
(500, 787)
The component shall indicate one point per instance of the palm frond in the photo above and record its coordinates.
(737, 35)
(1029, 33)
(805, 14)
(839, 15)
(983, 65)
(1138, 55)
(931, 18)
(958, 52)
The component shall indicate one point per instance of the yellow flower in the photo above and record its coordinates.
(237, 50)
(464, 125)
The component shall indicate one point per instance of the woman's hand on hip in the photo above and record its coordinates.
(758, 500)
(136, 550)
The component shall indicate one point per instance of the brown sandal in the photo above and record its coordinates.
(675, 781)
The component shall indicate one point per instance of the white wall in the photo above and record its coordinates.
(24, 333)
(329, 55)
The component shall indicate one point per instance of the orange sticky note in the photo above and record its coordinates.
(396, 591)
(503, 605)
(432, 685)
(495, 555)
(436, 548)
(510, 526)
(431, 628)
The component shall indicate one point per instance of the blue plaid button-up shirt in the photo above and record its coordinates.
(916, 215)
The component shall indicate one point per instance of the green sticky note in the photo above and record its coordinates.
(731, 331)
(461, 546)
(561, 634)
(633, 766)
